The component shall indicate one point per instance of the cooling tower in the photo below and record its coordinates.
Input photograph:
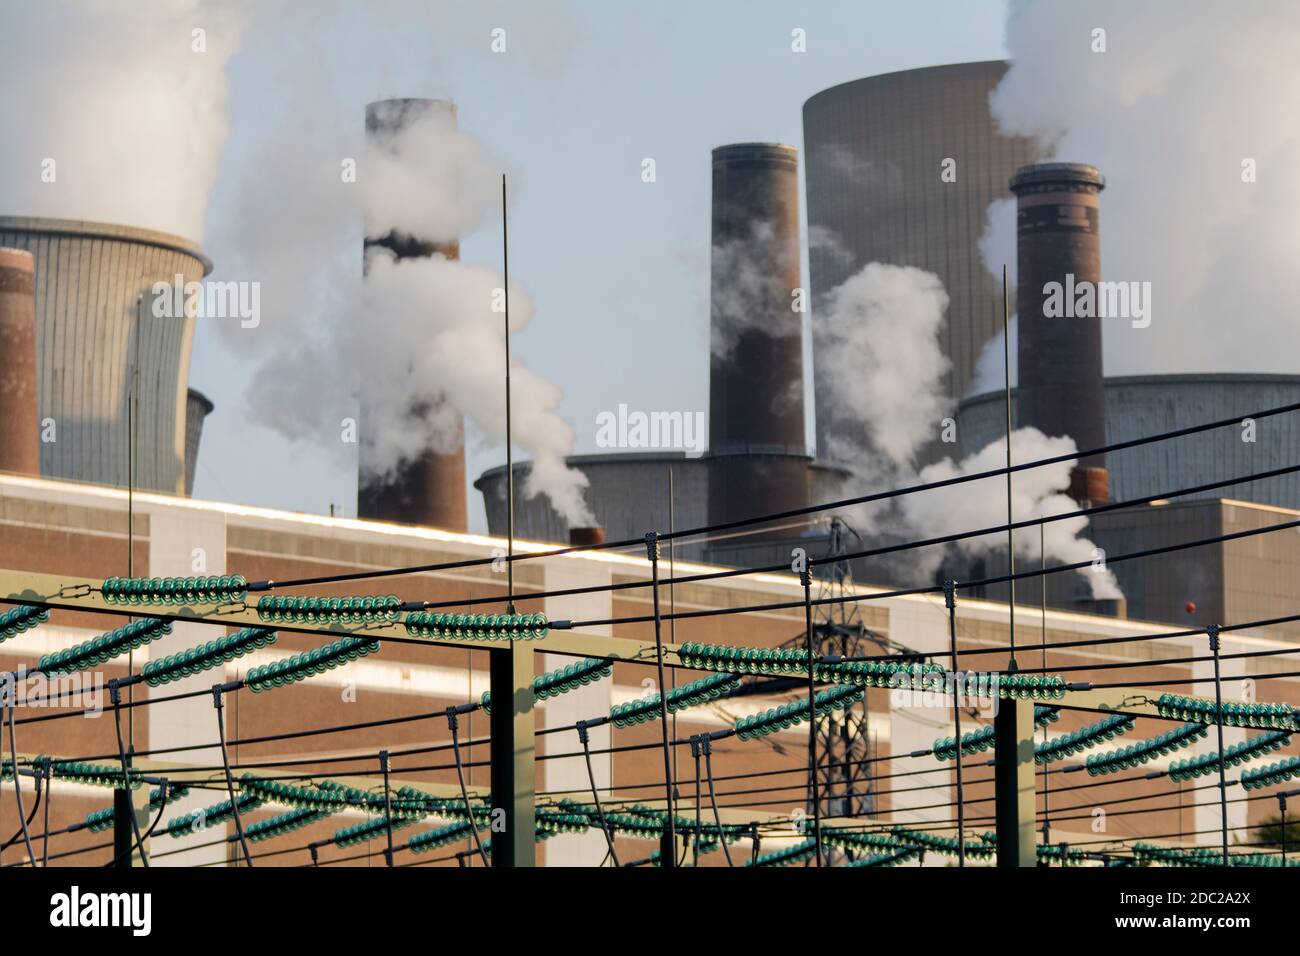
(757, 450)
(1061, 391)
(901, 169)
(430, 489)
(198, 408)
(95, 328)
(19, 448)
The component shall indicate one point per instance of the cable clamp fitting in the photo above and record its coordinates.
(950, 594)
(582, 732)
(652, 545)
(1213, 631)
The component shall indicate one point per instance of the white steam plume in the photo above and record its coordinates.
(418, 341)
(883, 366)
(990, 367)
(127, 122)
(755, 267)
(1190, 114)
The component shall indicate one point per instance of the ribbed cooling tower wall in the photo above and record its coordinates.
(1141, 405)
(198, 408)
(19, 448)
(90, 335)
(874, 151)
(757, 447)
(430, 489)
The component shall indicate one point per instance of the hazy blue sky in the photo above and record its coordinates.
(617, 268)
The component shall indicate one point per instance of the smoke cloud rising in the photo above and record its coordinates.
(127, 123)
(1190, 114)
(421, 340)
(883, 366)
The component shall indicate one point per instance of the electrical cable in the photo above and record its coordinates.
(140, 841)
(218, 690)
(452, 722)
(810, 509)
(18, 834)
(706, 744)
(45, 824)
(915, 544)
(115, 695)
(18, 787)
(595, 794)
(935, 589)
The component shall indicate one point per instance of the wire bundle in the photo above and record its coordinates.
(1271, 774)
(788, 715)
(281, 824)
(1170, 856)
(859, 839)
(309, 663)
(1199, 766)
(793, 662)
(476, 627)
(300, 609)
(105, 647)
(945, 845)
(99, 820)
(206, 817)
(13, 623)
(791, 854)
(91, 774)
(1235, 714)
(216, 589)
(369, 829)
(1144, 751)
(977, 741)
(432, 839)
(694, 694)
(562, 680)
(1067, 745)
(901, 855)
(417, 803)
(206, 656)
(552, 823)
(1030, 686)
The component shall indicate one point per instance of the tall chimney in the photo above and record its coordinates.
(757, 450)
(430, 488)
(19, 448)
(1058, 358)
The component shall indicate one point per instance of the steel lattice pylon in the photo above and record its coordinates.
(843, 739)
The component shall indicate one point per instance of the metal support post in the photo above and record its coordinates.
(1013, 781)
(513, 770)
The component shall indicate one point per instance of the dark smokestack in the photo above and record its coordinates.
(19, 447)
(1059, 352)
(756, 430)
(430, 489)
(586, 537)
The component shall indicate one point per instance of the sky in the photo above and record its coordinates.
(617, 268)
